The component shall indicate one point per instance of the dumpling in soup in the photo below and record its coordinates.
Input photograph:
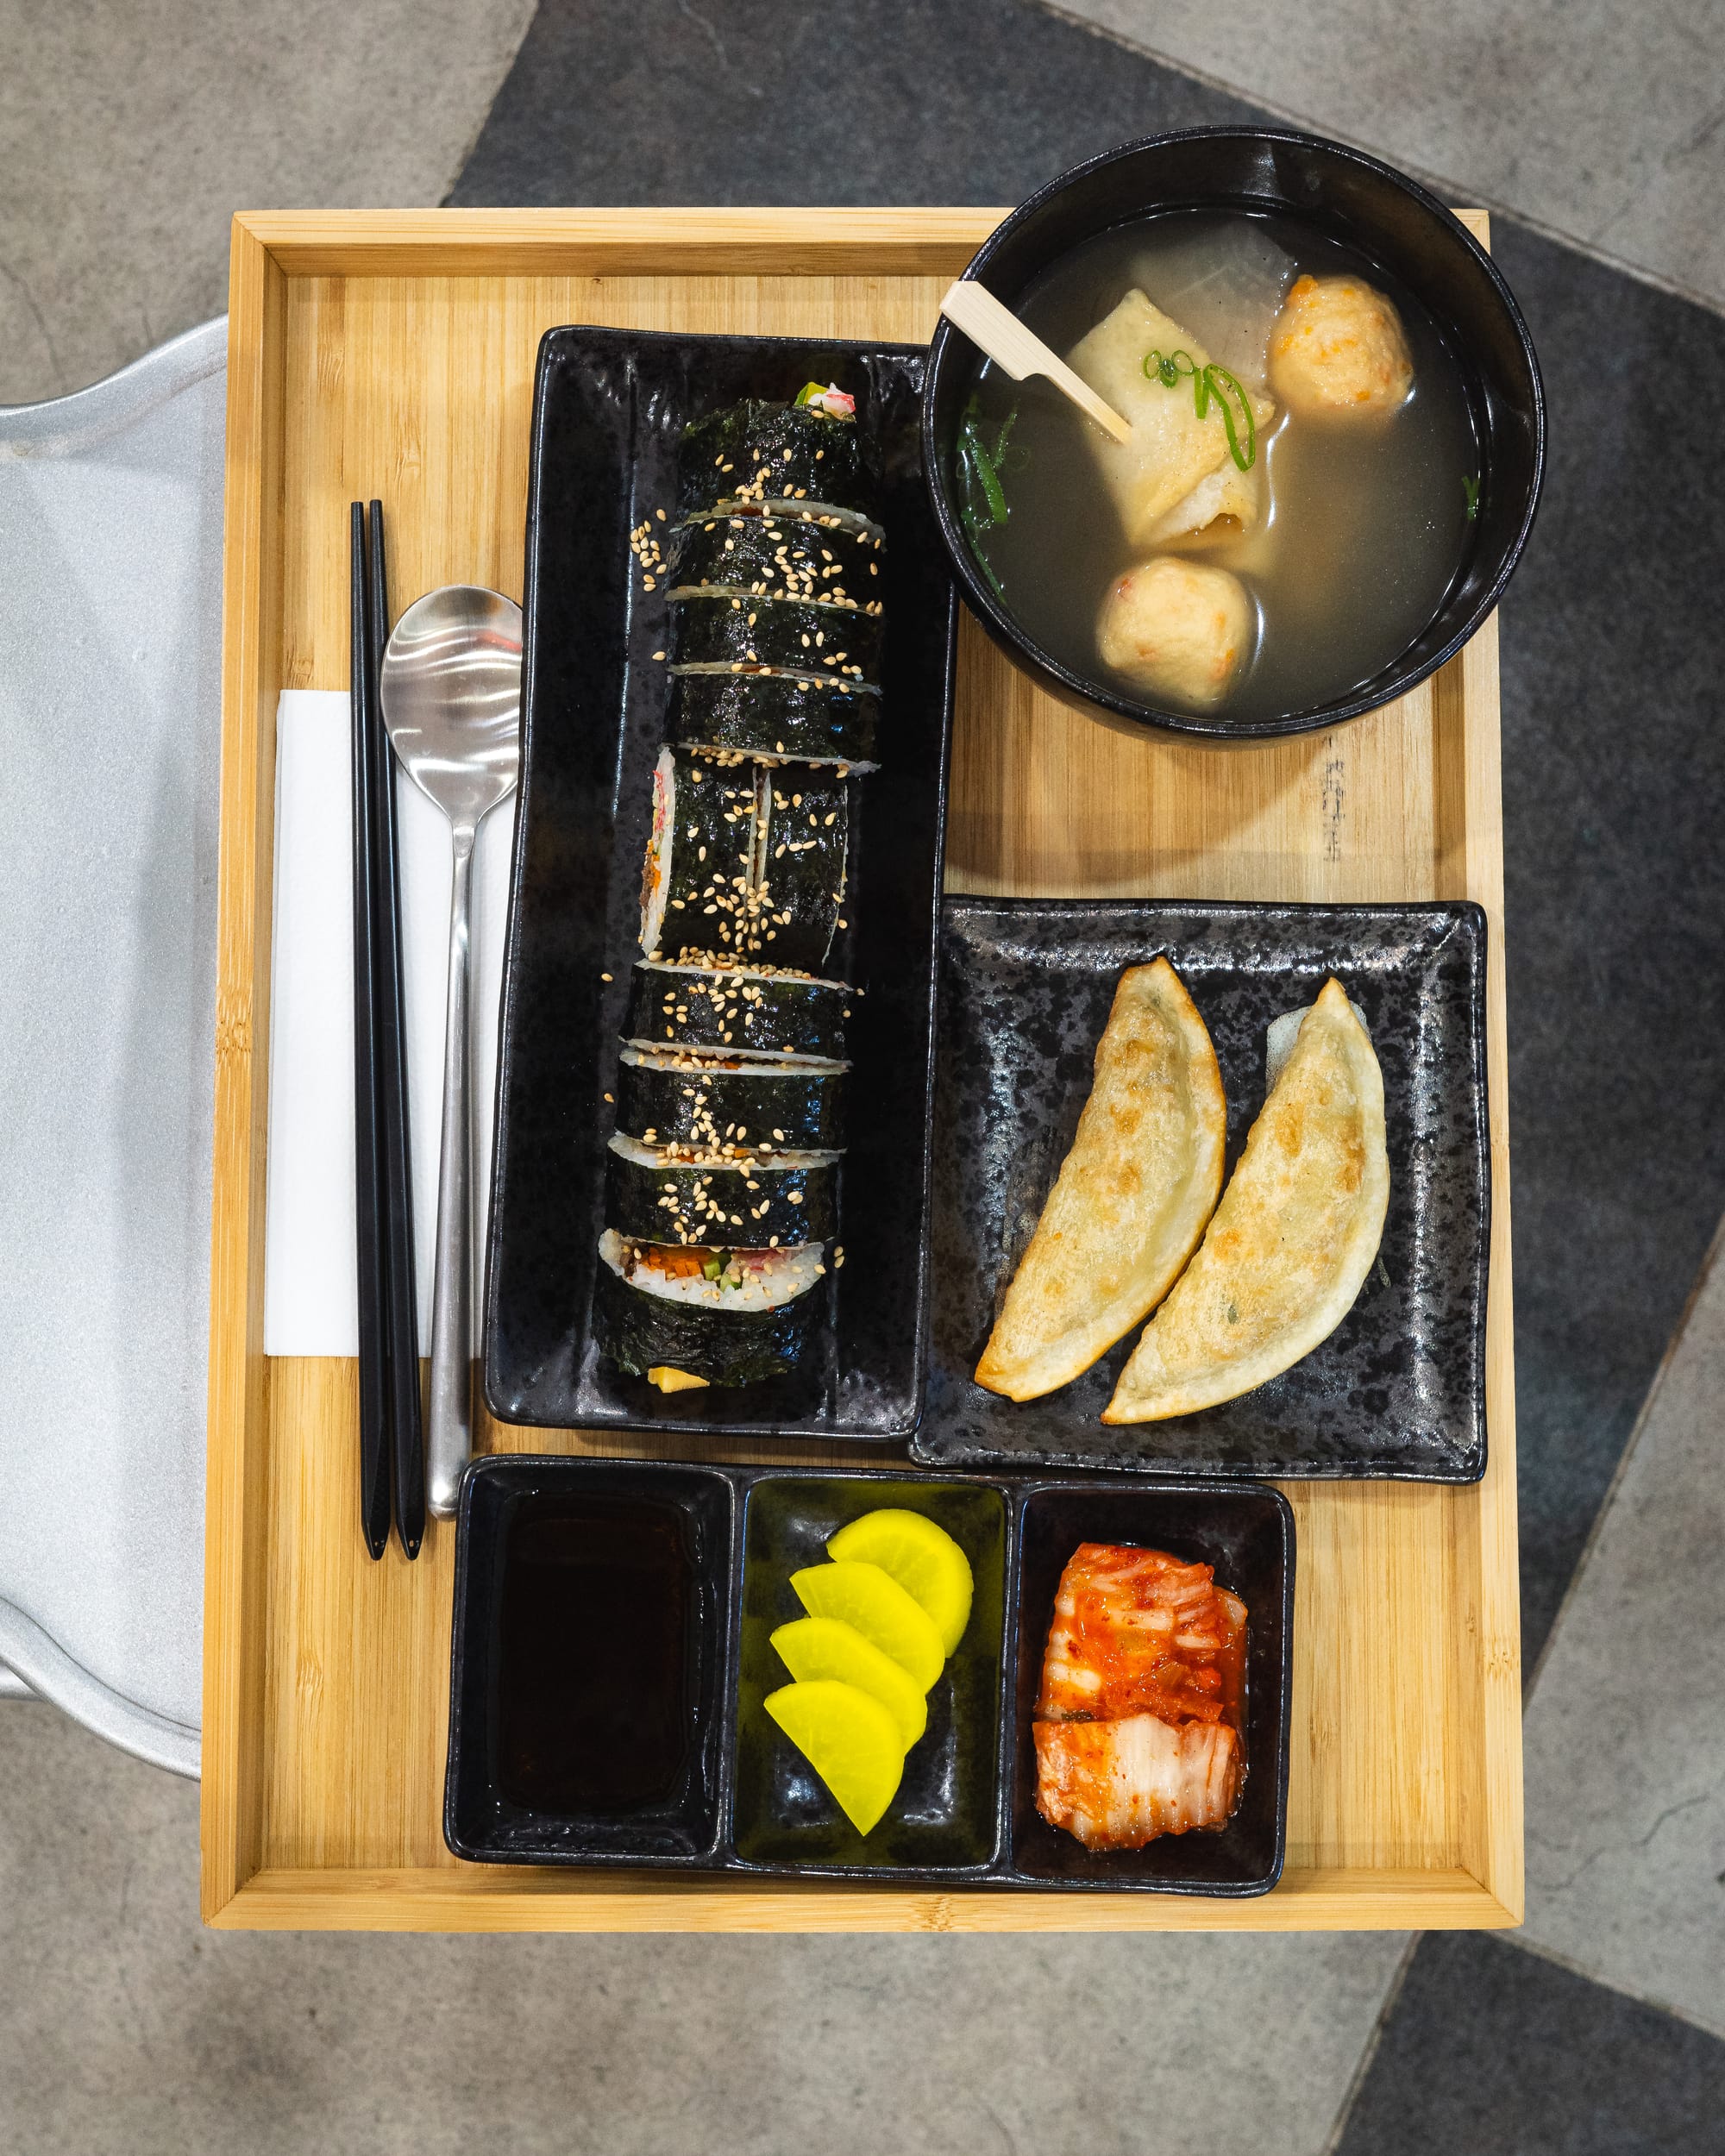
(1339, 349)
(1178, 628)
(1176, 474)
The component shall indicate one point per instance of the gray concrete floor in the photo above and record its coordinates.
(130, 134)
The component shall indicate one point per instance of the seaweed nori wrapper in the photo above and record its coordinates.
(807, 828)
(643, 1332)
(751, 1204)
(692, 1103)
(774, 714)
(797, 557)
(708, 859)
(774, 453)
(777, 632)
(737, 1011)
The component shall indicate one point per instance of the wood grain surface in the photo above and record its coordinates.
(392, 354)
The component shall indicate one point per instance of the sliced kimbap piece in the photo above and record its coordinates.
(810, 455)
(658, 1193)
(795, 557)
(805, 823)
(717, 1316)
(828, 641)
(738, 1010)
(763, 714)
(700, 882)
(723, 1103)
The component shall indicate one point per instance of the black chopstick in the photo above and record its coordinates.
(401, 1309)
(374, 1450)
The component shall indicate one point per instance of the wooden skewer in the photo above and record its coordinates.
(999, 333)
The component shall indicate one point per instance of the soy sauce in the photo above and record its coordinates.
(594, 1706)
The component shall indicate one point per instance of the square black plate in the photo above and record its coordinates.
(1398, 1389)
(1248, 1535)
(609, 408)
(946, 1814)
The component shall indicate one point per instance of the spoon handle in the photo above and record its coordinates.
(450, 1440)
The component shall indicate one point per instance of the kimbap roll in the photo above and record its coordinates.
(724, 1104)
(662, 1194)
(765, 714)
(742, 865)
(792, 557)
(807, 455)
(742, 1010)
(829, 640)
(720, 1315)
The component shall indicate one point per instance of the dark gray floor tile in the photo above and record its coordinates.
(1490, 2050)
(889, 100)
(1613, 748)
(1614, 771)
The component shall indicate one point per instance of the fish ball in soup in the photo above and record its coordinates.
(1339, 348)
(1179, 628)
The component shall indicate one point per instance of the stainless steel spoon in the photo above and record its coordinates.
(451, 692)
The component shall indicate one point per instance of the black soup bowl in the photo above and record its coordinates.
(1344, 196)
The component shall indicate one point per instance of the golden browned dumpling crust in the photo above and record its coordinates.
(1290, 1246)
(1339, 349)
(1179, 628)
(1132, 1195)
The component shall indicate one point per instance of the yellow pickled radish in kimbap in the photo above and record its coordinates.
(871, 1600)
(849, 1738)
(827, 1647)
(925, 1560)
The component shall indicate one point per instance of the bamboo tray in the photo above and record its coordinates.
(392, 354)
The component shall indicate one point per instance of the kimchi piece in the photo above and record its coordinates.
(1137, 1722)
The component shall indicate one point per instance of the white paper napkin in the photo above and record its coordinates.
(310, 1265)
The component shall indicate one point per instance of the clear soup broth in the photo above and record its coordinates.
(1364, 526)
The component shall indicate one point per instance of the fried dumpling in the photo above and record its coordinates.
(1132, 1197)
(1175, 475)
(1291, 1242)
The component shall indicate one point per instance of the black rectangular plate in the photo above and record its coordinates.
(965, 1814)
(609, 408)
(1398, 1390)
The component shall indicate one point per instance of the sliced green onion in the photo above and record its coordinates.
(982, 500)
(1209, 381)
(1470, 488)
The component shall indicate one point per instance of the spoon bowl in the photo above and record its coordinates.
(451, 688)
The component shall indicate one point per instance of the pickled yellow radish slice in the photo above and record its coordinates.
(921, 1556)
(826, 1646)
(872, 1600)
(849, 1738)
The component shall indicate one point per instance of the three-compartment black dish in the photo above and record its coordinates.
(615, 667)
(1397, 1391)
(611, 1651)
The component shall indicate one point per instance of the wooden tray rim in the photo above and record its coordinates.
(237, 1891)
